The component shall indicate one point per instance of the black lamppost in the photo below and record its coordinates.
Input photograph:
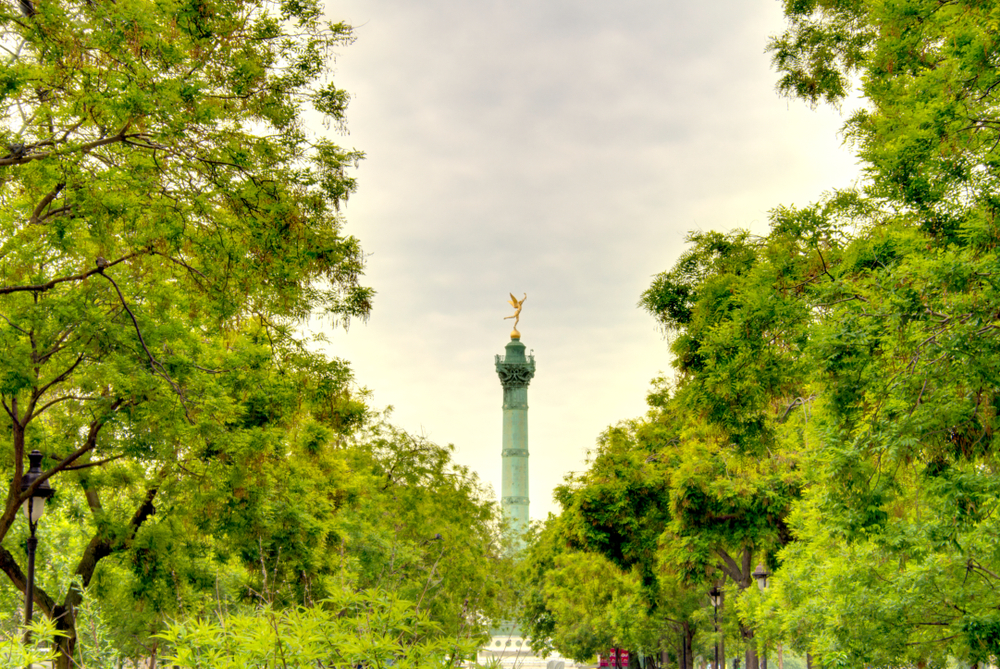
(761, 574)
(34, 507)
(716, 596)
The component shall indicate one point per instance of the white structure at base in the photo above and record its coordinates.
(511, 651)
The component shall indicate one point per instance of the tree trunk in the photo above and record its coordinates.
(65, 619)
(752, 660)
(687, 644)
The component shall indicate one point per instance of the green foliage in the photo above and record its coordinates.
(579, 602)
(405, 520)
(370, 628)
(835, 401)
(15, 653)
(425, 528)
(167, 222)
(614, 569)
(846, 361)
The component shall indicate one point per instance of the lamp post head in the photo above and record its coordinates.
(761, 574)
(715, 595)
(34, 506)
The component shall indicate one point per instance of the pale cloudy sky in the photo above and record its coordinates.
(563, 149)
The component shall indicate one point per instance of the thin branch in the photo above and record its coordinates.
(797, 402)
(823, 260)
(158, 368)
(62, 398)
(96, 463)
(919, 397)
(846, 299)
(83, 148)
(49, 285)
(9, 411)
(52, 214)
(22, 331)
(179, 262)
(89, 443)
(38, 393)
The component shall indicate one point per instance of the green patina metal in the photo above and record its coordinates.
(516, 371)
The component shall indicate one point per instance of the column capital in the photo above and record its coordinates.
(514, 368)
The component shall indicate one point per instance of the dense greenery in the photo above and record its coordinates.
(834, 405)
(168, 221)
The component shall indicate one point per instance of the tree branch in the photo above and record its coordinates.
(83, 148)
(158, 368)
(49, 285)
(10, 567)
(88, 445)
(730, 567)
(101, 546)
(45, 202)
(95, 463)
(38, 393)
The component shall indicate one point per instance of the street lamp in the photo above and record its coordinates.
(34, 507)
(761, 574)
(716, 596)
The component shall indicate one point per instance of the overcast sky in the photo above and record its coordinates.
(561, 149)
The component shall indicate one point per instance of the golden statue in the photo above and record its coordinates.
(517, 304)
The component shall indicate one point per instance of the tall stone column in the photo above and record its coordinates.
(516, 371)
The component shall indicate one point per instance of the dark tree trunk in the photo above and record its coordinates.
(687, 645)
(100, 546)
(752, 660)
(66, 624)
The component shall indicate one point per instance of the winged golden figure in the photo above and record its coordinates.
(517, 304)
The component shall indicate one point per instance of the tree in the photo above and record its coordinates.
(368, 629)
(315, 515)
(880, 448)
(927, 134)
(578, 602)
(904, 335)
(621, 545)
(427, 529)
(166, 221)
(737, 324)
(834, 407)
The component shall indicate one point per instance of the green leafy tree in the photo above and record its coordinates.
(902, 340)
(166, 222)
(427, 529)
(737, 323)
(614, 554)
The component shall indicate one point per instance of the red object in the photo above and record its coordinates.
(616, 658)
